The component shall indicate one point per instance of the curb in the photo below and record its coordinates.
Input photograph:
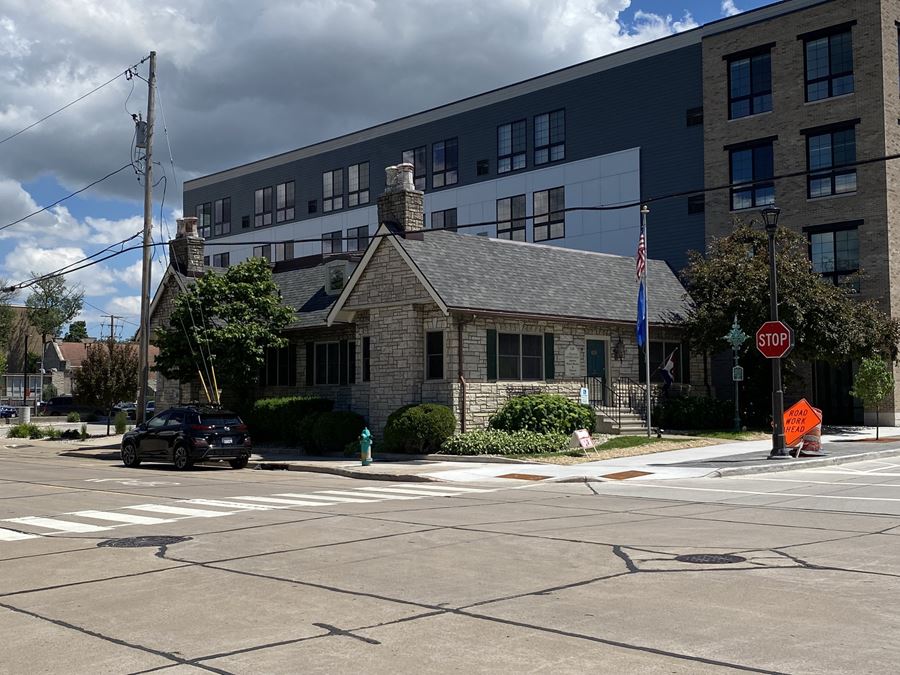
(791, 465)
(347, 473)
(91, 455)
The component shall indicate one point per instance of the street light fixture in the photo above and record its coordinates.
(770, 217)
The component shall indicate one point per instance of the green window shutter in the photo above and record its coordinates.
(549, 366)
(310, 363)
(343, 362)
(492, 355)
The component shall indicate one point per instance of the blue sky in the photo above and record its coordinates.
(229, 97)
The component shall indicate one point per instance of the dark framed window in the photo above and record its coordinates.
(511, 218)
(482, 167)
(520, 356)
(366, 359)
(358, 184)
(312, 206)
(511, 146)
(332, 190)
(444, 163)
(245, 222)
(693, 116)
(434, 355)
(749, 84)
(284, 202)
(328, 363)
(549, 214)
(280, 367)
(283, 251)
(752, 171)
(206, 261)
(659, 354)
(264, 251)
(262, 207)
(696, 204)
(332, 242)
(834, 253)
(222, 216)
(358, 238)
(204, 219)
(221, 259)
(830, 155)
(416, 157)
(550, 137)
(443, 220)
(829, 64)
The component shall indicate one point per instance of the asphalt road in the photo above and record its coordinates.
(345, 575)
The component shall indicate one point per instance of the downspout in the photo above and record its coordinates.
(460, 376)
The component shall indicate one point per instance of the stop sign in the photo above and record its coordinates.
(774, 339)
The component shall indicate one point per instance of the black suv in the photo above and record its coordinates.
(186, 435)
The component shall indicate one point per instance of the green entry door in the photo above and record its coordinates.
(596, 359)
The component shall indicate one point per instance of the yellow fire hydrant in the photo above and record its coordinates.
(365, 447)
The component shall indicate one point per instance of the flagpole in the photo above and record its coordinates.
(644, 211)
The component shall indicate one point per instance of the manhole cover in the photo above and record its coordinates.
(142, 542)
(710, 558)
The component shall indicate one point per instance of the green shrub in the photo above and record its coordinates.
(332, 431)
(70, 435)
(84, 433)
(23, 431)
(495, 442)
(693, 412)
(278, 420)
(305, 431)
(52, 433)
(544, 413)
(120, 421)
(419, 429)
(73, 417)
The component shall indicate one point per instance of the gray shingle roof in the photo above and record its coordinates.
(478, 273)
(304, 290)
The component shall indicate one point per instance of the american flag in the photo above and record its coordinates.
(641, 257)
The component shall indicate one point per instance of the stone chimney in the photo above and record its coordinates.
(400, 205)
(186, 249)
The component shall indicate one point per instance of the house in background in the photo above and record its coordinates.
(63, 359)
(465, 321)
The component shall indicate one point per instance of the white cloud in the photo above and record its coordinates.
(128, 306)
(729, 8)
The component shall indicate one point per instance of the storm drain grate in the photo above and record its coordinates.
(710, 558)
(142, 542)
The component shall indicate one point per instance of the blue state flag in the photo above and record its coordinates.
(641, 315)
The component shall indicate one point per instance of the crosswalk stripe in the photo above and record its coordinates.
(12, 535)
(439, 488)
(179, 510)
(401, 491)
(371, 497)
(231, 505)
(329, 498)
(293, 502)
(60, 525)
(128, 518)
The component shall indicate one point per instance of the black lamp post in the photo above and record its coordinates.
(770, 217)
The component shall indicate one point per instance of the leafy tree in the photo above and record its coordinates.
(873, 382)
(829, 323)
(51, 305)
(225, 321)
(108, 374)
(77, 332)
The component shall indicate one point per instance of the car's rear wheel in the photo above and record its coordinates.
(240, 462)
(180, 458)
(130, 456)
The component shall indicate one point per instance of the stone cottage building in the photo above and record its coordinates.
(462, 320)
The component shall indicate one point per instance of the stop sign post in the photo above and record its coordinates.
(774, 339)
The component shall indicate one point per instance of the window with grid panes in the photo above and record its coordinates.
(332, 190)
(549, 214)
(752, 172)
(221, 260)
(834, 254)
(444, 163)
(264, 251)
(444, 220)
(284, 202)
(416, 157)
(262, 207)
(358, 238)
(511, 218)
(511, 146)
(222, 216)
(829, 65)
(830, 158)
(358, 184)
(550, 137)
(283, 251)
(749, 84)
(204, 219)
(327, 363)
(332, 242)
(520, 357)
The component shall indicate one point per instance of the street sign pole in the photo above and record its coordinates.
(779, 451)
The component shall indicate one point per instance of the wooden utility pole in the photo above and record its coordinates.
(144, 348)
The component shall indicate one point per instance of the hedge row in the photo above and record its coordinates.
(494, 442)
(330, 431)
(278, 420)
(419, 429)
(693, 412)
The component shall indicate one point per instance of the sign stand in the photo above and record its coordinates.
(803, 425)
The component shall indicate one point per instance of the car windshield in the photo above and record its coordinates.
(220, 420)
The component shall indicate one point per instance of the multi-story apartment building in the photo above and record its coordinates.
(794, 87)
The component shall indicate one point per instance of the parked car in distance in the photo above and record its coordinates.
(65, 404)
(7, 411)
(186, 435)
(129, 409)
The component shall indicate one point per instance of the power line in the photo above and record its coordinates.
(126, 72)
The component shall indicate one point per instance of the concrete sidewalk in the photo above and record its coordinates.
(725, 459)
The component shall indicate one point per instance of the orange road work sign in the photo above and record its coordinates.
(798, 419)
